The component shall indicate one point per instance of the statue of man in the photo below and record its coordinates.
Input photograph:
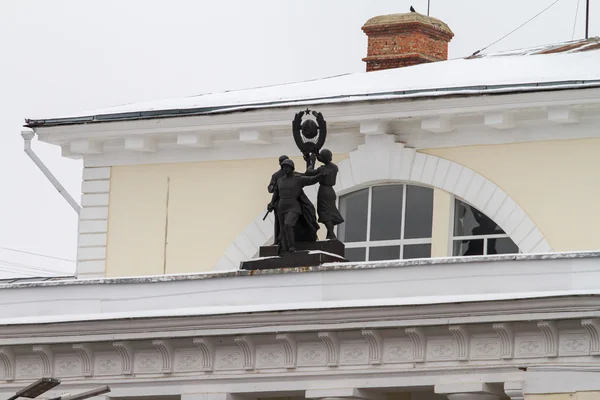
(329, 214)
(274, 178)
(292, 212)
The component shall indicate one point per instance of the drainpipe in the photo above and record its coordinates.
(27, 136)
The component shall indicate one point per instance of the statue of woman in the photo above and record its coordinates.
(327, 210)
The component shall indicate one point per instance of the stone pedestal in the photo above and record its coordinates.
(307, 254)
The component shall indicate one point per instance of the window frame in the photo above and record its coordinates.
(368, 244)
(453, 239)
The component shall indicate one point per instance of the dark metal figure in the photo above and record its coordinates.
(274, 178)
(329, 214)
(309, 135)
(296, 218)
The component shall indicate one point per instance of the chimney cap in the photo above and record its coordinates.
(399, 20)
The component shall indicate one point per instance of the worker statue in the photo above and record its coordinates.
(329, 214)
(294, 212)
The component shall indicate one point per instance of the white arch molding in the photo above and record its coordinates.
(389, 162)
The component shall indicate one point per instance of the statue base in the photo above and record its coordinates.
(297, 259)
(328, 246)
(307, 254)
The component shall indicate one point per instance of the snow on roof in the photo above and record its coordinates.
(564, 64)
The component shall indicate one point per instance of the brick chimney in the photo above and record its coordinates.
(400, 40)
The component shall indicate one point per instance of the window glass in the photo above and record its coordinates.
(386, 212)
(419, 212)
(476, 234)
(399, 224)
(356, 254)
(469, 221)
(384, 253)
(417, 251)
(353, 208)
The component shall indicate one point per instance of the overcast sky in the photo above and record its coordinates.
(60, 56)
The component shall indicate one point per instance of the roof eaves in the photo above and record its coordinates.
(476, 90)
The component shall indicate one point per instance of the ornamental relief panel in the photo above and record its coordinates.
(354, 353)
(441, 349)
(107, 364)
(574, 344)
(147, 362)
(311, 354)
(228, 358)
(529, 346)
(28, 368)
(272, 354)
(188, 360)
(269, 357)
(397, 351)
(485, 348)
(67, 366)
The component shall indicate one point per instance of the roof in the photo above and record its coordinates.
(553, 67)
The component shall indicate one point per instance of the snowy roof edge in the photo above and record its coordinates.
(463, 91)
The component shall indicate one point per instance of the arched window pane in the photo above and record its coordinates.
(506, 246)
(386, 213)
(419, 215)
(353, 208)
(476, 234)
(469, 221)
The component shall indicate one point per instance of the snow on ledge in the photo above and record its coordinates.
(337, 266)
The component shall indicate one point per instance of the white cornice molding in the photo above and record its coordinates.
(342, 112)
(224, 136)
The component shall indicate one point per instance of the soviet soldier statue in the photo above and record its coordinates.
(295, 217)
(271, 188)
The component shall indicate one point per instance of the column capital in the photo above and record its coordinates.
(470, 391)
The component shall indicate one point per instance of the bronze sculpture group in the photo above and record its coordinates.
(295, 218)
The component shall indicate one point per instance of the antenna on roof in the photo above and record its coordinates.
(429, 3)
(518, 27)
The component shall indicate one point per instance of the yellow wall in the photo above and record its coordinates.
(209, 204)
(565, 396)
(556, 182)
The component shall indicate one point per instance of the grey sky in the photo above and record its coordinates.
(62, 56)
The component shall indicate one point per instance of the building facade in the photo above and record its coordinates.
(470, 193)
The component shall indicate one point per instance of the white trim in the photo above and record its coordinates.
(105, 143)
(469, 186)
(93, 223)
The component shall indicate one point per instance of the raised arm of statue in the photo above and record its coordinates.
(322, 129)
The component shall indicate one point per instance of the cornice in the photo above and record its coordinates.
(221, 136)
(391, 317)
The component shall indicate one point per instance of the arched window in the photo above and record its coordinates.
(476, 234)
(387, 222)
